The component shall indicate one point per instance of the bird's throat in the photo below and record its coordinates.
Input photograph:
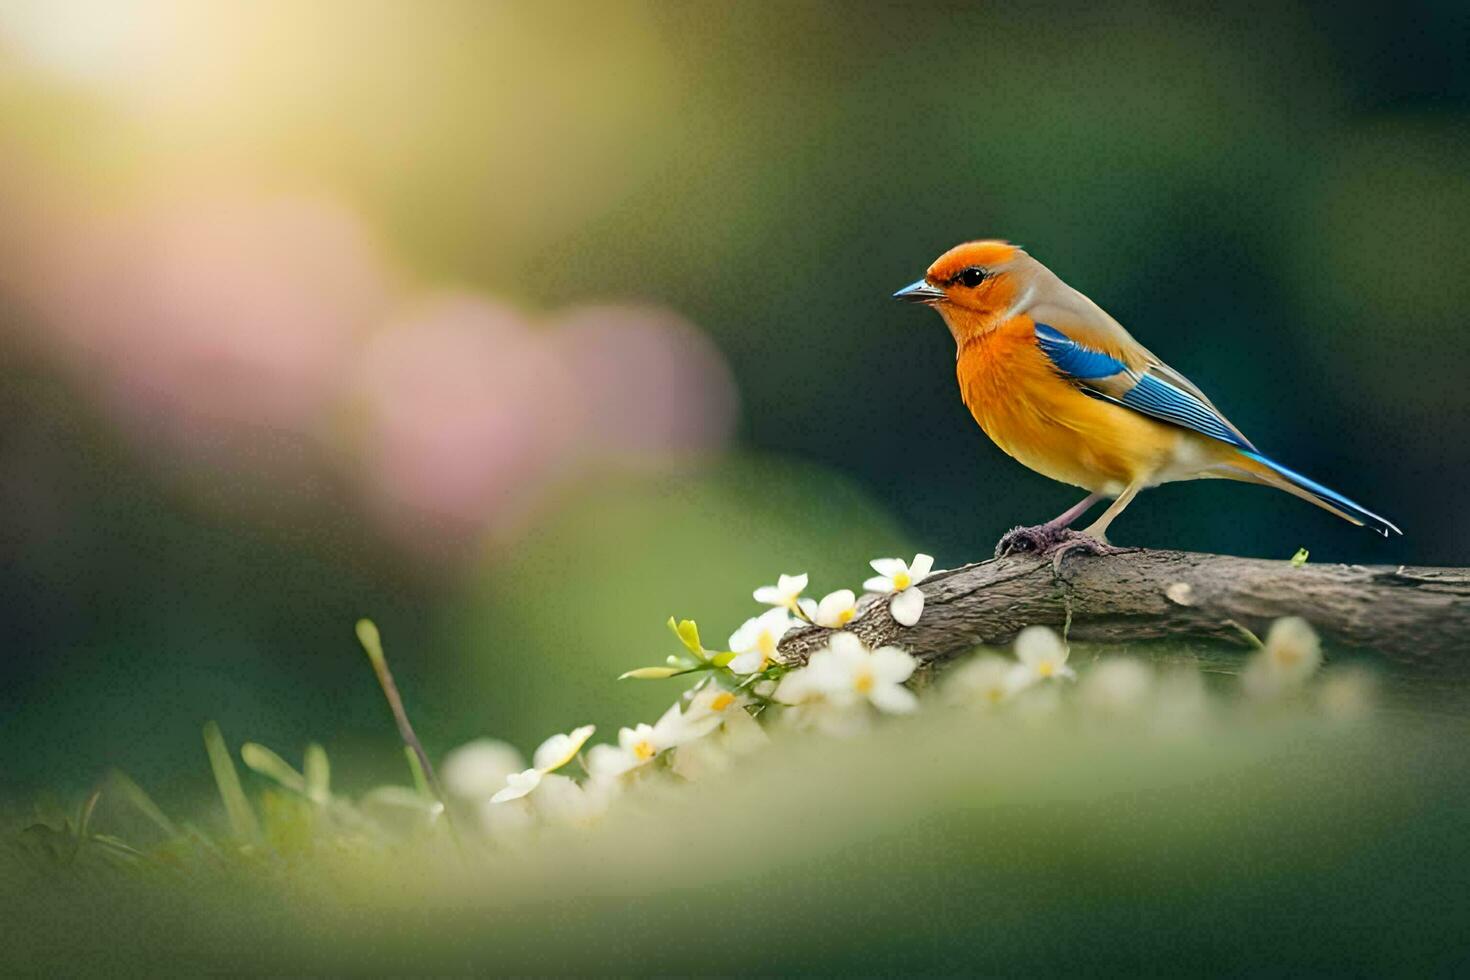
(967, 326)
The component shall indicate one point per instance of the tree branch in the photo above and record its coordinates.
(1417, 617)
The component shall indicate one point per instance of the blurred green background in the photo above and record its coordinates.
(521, 327)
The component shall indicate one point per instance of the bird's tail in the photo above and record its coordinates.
(1272, 473)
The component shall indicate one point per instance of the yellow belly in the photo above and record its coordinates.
(1052, 427)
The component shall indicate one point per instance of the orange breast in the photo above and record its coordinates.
(1046, 423)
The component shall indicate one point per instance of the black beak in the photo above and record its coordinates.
(920, 292)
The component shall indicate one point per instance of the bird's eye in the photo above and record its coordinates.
(972, 277)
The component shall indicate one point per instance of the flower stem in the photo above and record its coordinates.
(372, 643)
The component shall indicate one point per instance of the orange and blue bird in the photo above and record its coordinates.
(1059, 385)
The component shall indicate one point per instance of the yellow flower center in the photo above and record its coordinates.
(644, 750)
(902, 581)
(767, 646)
(863, 682)
(844, 617)
(1286, 656)
(995, 694)
(722, 701)
(1046, 668)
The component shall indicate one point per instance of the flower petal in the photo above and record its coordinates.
(892, 665)
(907, 606)
(795, 687)
(847, 647)
(768, 595)
(1020, 678)
(893, 699)
(1036, 644)
(746, 663)
(889, 566)
(562, 801)
(792, 584)
(776, 622)
(878, 583)
(835, 609)
(608, 761)
(517, 785)
(921, 567)
(558, 750)
(477, 770)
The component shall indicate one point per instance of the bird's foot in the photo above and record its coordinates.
(1055, 539)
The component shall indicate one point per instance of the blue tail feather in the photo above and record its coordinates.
(1382, 525)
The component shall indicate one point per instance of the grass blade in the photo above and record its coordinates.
(318, 774)
(237, 806)
(262, 760)
(141, 801)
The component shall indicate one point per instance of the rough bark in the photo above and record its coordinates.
(1415, 617)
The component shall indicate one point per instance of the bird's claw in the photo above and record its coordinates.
(1050, 539)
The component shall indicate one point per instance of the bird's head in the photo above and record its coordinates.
(974, 286)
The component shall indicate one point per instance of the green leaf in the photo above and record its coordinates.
(227, 779)
(268, 764)
(649, 673)
(1300, 558)
(688, 634)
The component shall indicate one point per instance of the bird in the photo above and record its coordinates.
(1063, 388)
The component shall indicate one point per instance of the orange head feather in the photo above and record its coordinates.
(974, 286)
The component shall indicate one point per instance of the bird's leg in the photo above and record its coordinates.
(1093, 540)
(1044, 537)
(1098, 529)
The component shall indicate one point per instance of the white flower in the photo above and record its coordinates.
(517, 785)
(835, 611)
(637, 746)
(784, 593)
(550, 756)
(565, 801)
(754, 643)
(1042, 656)
(1290, 657)
(847, 672)
(901, 578)
(558, 750)
(739, 734)
(839, 720)
(475, 770)
(1293, 649)
(1117, 686)
(709, 709)
(984, 681)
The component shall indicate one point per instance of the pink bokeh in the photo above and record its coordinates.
(464, 417)
(208, 324)
(650, 382)
(250, 334)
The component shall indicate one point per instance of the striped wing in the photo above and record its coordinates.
(1155, 389)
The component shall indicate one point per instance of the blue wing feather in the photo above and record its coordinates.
(1103, 376)
(1147, 393)
(1162, 400)
(1074, 360)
